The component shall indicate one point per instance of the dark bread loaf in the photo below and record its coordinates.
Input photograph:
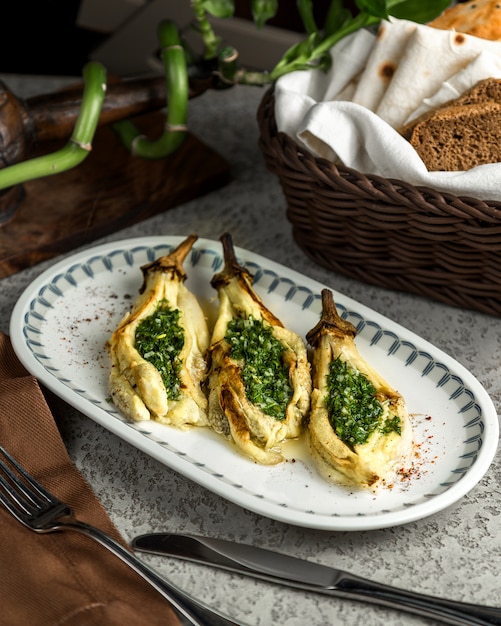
(457, 138)
(487, 90)
(460, 134)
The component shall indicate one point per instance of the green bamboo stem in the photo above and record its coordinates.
(361, 20)
(177, 87)
(337, 16)
(228, 64)
(309, 53)
(305, 9)
(263, 10)
(210, 40)
(80, 143)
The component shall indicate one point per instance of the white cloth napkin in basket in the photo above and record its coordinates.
(320, 111)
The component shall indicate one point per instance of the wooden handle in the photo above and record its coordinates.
(53, 116)
(26, 123)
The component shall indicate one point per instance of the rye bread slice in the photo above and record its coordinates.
(459, 137)
(487, 90)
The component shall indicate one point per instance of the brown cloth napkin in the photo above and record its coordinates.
(63, 578)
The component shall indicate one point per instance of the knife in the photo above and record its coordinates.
(275, 567)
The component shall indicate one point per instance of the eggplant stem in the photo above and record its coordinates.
(330, 323)
(172, 262)
(232, 267)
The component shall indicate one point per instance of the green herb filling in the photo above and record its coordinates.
(159, 340)
(264, 374)
(354, 411)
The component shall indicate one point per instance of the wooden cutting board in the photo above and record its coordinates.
(109, 191)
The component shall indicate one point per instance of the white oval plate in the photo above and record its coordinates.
(61, 322)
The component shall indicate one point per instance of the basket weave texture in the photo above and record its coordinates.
(387, 232)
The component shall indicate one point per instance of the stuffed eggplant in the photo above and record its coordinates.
(158, 349)
(359, 429)
(259, 375)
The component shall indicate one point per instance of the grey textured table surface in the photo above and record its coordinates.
(455, 553)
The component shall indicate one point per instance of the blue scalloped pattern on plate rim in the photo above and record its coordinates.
(441, 375)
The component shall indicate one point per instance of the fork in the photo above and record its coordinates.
(35, 507)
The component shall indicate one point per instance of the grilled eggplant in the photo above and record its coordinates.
(359, 429)
(259, 375)
(158, 349)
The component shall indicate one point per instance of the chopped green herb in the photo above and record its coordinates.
(392, 425)
(159, 340)
(264, 373)
(354, 411)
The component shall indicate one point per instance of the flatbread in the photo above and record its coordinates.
(349, 57)
(430, 58)
(481, 18)
(484, 65)
(391, 40)
(348, 91)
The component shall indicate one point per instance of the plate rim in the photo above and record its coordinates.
(184, 467)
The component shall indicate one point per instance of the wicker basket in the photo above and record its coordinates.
(387, 232)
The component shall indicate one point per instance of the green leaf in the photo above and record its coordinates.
(420, 11)
(305, 9)
(337, 16)
(300, 51)
(263, 10)
(377, 8)
(219, 8)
